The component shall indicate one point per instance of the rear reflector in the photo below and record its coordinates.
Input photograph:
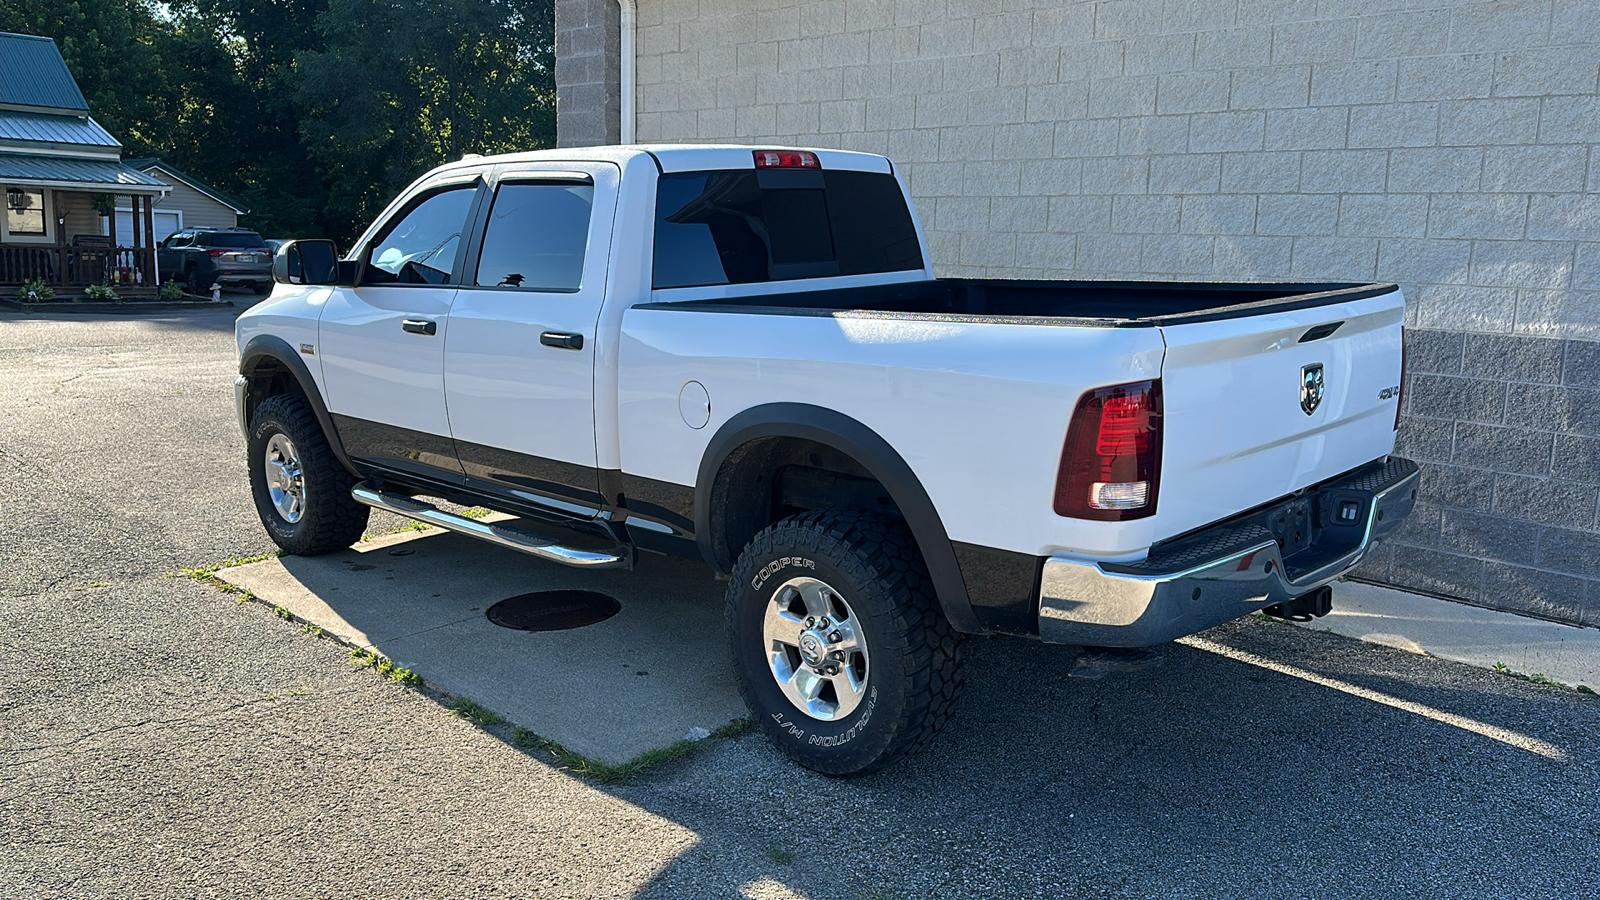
(786, 159)
(1111, 463)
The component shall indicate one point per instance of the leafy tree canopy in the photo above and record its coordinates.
(312, 113)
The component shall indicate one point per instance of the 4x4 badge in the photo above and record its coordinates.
(1311, 388)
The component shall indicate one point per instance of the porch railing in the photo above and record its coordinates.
(63, 265)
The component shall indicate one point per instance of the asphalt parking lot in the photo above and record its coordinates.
(158, 739)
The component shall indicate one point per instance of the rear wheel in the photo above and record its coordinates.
(193, 283)
(302, 493)
(842, 653)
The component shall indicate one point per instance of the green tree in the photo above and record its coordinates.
(113, 48)
(401, 87)
(312, 113)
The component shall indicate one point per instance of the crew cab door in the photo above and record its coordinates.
(382, 342)
(519, 364)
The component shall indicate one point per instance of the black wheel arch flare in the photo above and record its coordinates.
(264, 350)
(862, 444)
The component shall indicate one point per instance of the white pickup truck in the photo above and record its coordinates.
(741, 355)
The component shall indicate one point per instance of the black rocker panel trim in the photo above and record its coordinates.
(661, 503)
(393, 447)
(665, 502)
(872, 452)
(264, 347)
(520, 471)
(1003, 587)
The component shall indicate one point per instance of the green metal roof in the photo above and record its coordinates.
(42, 128)
(32, 73)
(87, 174)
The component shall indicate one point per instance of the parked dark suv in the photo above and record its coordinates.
(201, 257)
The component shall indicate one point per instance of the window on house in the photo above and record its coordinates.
(25, 213)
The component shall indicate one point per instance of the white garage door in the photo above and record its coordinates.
(166, 222)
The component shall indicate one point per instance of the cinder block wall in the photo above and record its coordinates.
(1447, 146)
(587, 72)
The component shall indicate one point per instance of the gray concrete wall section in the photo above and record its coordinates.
(588, 74)
(1447, 146)
(1507, 428)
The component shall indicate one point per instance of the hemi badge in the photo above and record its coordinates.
(308, 349)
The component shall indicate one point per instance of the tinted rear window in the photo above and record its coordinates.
(235, 239)
(750, 225)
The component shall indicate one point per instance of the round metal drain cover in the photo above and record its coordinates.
(553, 610)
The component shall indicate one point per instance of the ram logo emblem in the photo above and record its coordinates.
(1312, 388)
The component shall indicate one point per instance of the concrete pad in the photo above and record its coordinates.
(640, 680)
(1480, 637)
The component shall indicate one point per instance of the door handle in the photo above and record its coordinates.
(420, 326)
(564, 340)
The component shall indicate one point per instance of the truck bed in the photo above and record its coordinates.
(1103, 303)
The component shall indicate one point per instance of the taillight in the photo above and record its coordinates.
(1400, 397)
(1111, 463)
(786, 159)
(215, 252)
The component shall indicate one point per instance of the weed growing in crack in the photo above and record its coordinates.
(384, 666)
(1539, 678)
(472, 712)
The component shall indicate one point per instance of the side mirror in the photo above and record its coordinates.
(312, 261)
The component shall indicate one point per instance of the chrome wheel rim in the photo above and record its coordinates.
(815, 649)
(286, 482)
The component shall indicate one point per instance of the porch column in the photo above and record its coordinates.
(152, 270)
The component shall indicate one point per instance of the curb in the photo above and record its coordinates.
(124, 306)
(1486, 638)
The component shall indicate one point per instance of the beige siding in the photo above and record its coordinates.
(80, 215)
(199, 211)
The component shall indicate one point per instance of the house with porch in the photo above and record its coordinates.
(63, 177)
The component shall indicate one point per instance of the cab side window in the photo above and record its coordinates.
(420, 246)
(537, 235)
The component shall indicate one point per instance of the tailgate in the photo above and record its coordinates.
(1237, 432)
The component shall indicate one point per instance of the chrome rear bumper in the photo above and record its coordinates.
(1227, 571)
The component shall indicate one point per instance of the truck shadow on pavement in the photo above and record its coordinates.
(1210, 776)
(1260, 760)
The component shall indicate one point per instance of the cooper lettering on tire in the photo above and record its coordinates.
(302, 493)
(841, 651)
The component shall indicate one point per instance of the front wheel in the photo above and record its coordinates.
(842, 653)
(302, 493)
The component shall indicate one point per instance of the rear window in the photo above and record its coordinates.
(233, 239)
(750, 225)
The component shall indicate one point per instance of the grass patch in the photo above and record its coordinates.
(204, 572)
(605, 773)
(1540, 678)
(412, 525)
(472, 712)
(383, 665)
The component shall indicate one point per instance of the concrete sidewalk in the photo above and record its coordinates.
(1479, 637)
(653, 674)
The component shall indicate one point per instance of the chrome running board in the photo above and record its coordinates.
(493, 532)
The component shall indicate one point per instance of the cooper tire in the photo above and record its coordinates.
(867, 571)
(301, 491)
